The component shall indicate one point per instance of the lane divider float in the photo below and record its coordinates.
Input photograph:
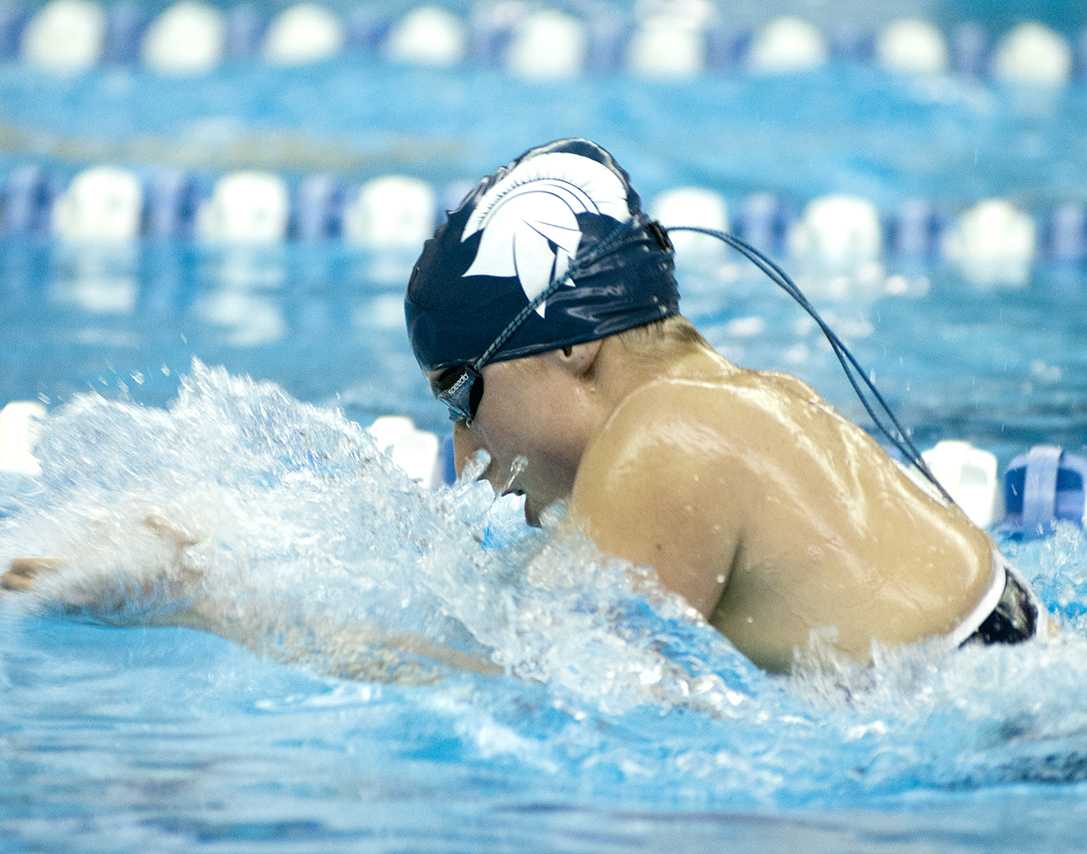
(993, 241)
(676, 41)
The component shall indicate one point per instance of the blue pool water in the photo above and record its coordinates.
(620, 723)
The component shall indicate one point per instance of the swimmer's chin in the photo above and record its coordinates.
(546, 517)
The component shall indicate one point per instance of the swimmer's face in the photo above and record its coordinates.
(525, 411)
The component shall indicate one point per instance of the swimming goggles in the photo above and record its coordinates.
(463, 384)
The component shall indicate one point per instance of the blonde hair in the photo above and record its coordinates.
(662, 339)
(670, 336)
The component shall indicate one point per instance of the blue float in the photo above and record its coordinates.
(12, 21)
(318, 208)
(1042, 487)
(245, 27)
(26, 200)
(126, 23)
(171, 200)
(763, 221)
(1065, 237)
(970, 49)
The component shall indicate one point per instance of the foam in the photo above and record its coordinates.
(312, 546)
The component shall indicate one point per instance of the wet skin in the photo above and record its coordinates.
(775, 517)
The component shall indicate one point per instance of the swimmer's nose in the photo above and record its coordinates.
(465, 444)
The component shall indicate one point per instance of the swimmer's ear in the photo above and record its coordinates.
(579, 359)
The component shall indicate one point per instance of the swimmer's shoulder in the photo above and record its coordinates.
(671, 433)
(717, 433)
(657, 488)
(737, 403)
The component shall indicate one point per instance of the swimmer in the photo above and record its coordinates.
(545, 315)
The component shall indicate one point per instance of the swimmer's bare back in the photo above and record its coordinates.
(184, 599)
(775, 517)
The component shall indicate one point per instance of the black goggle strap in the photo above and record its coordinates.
(899, 438)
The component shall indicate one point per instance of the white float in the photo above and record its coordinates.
(391, 212)
(65, 36)
(302, 34)
(840, 234)
(245, 207)
(187, 38)
(414, 451)
(1034, 55)
(693, 206)
(970, 476)
(547, 45)
(665, 46)
(787, 45)
(428, 35)
(992, 243)
(911, 46)
(103, 203)
(19, 431)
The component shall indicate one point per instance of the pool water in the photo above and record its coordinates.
(619, 722)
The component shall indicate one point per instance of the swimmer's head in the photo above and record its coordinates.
(550, 251)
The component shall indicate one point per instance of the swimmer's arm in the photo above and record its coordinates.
(163, 589)
(655, 489)
(174, 593)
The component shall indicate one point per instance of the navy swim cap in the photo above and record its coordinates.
(563, 212)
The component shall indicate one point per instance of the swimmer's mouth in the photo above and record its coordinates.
(514, 492)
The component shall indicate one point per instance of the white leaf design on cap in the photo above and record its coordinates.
(529, 218)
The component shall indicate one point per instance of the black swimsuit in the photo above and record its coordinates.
(1013, 620)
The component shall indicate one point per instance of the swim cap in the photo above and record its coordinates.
(560, 213)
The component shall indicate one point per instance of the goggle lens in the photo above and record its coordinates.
(463, 396)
